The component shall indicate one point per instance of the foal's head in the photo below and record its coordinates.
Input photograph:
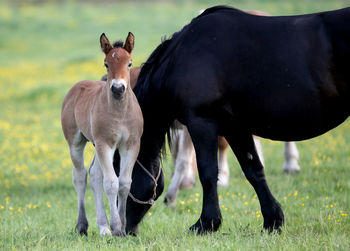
(118, 63)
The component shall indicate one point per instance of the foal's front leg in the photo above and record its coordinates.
(128, 156)
(110, 183)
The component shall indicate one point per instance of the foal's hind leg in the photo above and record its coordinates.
(243, 146)
(96, 181)
(205, 140)
(79, 179)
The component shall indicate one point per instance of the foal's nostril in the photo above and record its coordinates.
(118, 88)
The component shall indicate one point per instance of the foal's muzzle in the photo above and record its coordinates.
(117, 90)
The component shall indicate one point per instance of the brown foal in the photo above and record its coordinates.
(108, 115)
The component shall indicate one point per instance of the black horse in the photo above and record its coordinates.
(233, 74)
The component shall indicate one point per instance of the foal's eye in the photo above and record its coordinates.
(106, 65)
(130, 64)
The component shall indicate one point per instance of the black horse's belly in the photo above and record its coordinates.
(295, 125)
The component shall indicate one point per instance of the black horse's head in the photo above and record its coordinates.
(146, 189)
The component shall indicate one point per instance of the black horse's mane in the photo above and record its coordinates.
(161, 54)
(163, 51)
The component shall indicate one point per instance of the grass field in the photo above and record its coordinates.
(46, 48)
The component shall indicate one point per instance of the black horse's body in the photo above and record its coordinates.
(234, 74)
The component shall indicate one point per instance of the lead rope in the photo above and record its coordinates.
(155, 180)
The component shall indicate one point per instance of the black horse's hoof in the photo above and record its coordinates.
(205, 227)
(274, 221)
(273, 226)
(82, 228)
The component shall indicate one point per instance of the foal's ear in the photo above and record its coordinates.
(105, 44)
(129, 43)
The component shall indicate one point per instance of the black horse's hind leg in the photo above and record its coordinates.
(204, 137)
(243, 146)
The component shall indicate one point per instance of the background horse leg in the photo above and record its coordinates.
(128, 156)
(183, 155)
(96, 181)
(259, 150)
(79, 179)
(224, 172)
(205, 140)
(243, 146)
(291, 157)
(110, 184)
(189, 179)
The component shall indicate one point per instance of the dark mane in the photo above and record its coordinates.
(118, 43)
(161, 53)
(148, 68)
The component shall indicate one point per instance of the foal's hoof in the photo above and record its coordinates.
(82, 228)
(169, 202)
(119, 233)
(205, 227)
(105, 232)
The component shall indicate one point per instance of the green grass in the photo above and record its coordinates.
(46, 48)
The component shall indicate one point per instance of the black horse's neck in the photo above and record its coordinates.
(156, 124)
(152, 141)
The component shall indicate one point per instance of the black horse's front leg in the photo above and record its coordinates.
(243, 146)
(204, 137)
